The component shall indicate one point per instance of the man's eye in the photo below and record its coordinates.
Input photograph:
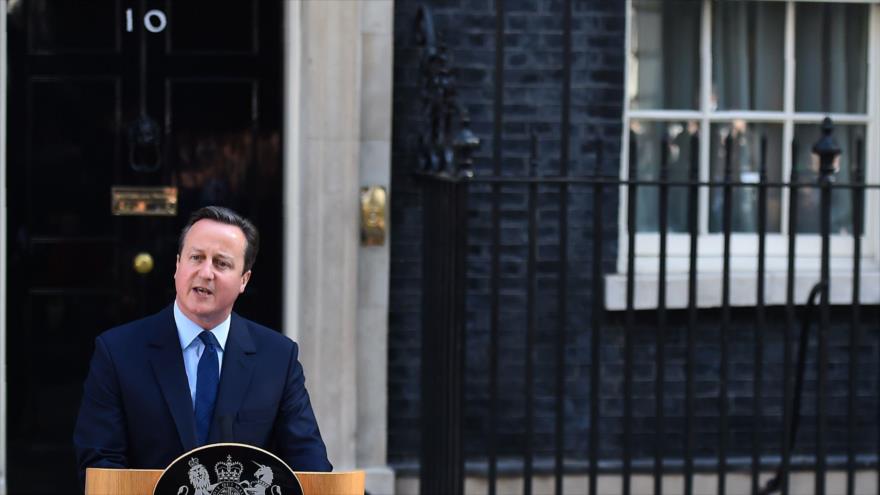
(195, 257)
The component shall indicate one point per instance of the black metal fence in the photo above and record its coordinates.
(447, 180)
(444, 327)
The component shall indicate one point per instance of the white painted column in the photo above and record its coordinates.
(292, 166)
(377, 42)
(329, 141)
(338, 76)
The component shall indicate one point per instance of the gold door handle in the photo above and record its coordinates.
(143, 263)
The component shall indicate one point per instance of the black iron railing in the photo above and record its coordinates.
(445, 244)
(447, 178)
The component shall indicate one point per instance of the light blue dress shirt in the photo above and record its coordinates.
(192, 346)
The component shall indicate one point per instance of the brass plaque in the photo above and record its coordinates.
(144, 201)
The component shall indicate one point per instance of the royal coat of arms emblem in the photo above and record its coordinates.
(228, 479)
(237, 470)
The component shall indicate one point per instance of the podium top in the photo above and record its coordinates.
(102, 481)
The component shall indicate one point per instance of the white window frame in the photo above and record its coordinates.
(744, 245)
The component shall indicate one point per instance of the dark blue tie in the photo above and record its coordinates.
(207, 382)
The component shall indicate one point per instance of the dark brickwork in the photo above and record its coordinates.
(532, 103)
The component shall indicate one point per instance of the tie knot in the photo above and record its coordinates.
(209, 340)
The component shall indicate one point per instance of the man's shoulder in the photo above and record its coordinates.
(263, 335)
(143, 329)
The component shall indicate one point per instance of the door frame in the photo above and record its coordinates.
(291, 193)
(291, 165)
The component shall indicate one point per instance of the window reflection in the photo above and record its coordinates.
(213, 166)
(219, 168)
(649, 145)
(664, 63)
(831, 49)
(745, 164)
(748, 41)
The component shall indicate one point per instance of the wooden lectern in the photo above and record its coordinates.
(101, 481)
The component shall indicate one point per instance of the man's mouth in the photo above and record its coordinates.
(202, 291)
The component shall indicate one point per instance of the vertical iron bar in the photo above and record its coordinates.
(459, 348)
(492, 449)
(631, 199)
(442, 354)
(444, 238)
(438, 335)
(598, 303)
(448, 406)
(453, 407)
(690, 365)
(427, 297)
(757, 404)
(562, 274)
(725, 315)
(855, 324)
(824, 322)
(827, 151)
(660, 351)
(498, 116)
(443, 334)
(790, 321)
(532, 317)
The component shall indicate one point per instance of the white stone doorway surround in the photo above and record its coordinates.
(338, 138)
(338, 78)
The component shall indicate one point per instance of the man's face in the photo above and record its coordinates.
(209, 277)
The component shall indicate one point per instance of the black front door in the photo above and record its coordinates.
(178, 100)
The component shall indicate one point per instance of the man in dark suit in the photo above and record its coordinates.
(196, 373)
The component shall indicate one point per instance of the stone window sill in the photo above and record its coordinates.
(743, 288)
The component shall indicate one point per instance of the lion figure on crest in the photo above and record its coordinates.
(199, 478)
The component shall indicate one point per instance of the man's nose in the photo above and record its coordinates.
(206, 270)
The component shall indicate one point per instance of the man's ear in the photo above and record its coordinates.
(245, 278)
(176, 265)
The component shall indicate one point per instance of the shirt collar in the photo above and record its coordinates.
(188, 330)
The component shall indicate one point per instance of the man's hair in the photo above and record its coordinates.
(229, 217)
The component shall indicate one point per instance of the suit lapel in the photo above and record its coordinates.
(167, 361)
(239, 358)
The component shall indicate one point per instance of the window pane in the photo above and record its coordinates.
(831, 50)
(664, 59)
(649, 143)
(745, 163)
(808, 198)
(748, 41)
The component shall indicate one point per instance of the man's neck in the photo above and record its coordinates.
(205, 324)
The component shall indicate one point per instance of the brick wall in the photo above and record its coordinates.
(532, 103)
(532, 99)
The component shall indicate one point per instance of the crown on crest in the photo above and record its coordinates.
(193, 462)
(228, 470)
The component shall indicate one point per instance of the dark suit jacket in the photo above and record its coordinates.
(137, 411)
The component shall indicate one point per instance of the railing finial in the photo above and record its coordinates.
(827, 149)
(443, 149)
